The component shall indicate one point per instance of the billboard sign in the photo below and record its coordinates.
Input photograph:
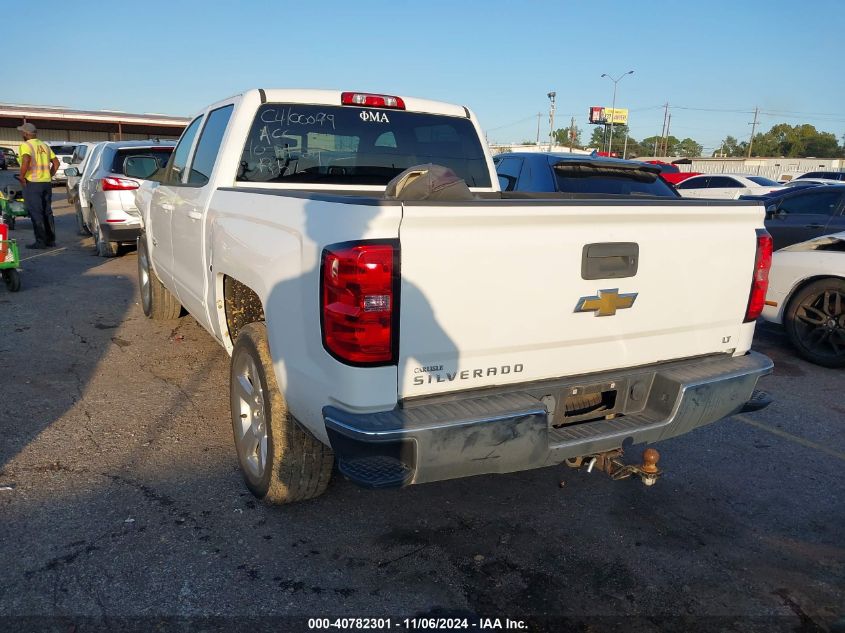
(608, 116)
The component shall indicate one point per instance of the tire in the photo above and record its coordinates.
(80, 223)
(13, 279)
(101, 247)
(157, 301)
(814, 321)
(280, 460)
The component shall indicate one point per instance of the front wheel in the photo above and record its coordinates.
(815, 322)
(156, 300)
(281, 461)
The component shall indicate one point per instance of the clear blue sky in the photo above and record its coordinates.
(499, 58)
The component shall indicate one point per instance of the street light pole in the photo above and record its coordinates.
(551, 97)
(613, 107)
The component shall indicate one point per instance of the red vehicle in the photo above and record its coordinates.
(670, 173)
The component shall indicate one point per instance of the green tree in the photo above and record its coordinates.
(650, 143)
(796, 141)
(562, 137)
(597, 138)
(731, 147)
(688, 148)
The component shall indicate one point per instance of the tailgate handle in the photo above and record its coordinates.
(610, 260)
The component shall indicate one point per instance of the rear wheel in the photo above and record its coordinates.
(815, 322)
(12, 279)
(102, 247)
(157, 301)
(281, 461)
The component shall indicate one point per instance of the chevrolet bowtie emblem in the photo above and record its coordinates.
(606, 303)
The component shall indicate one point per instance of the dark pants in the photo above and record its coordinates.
(37, 197)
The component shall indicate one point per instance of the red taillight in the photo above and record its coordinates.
(372, 100)
(118, 184)
(359, 302)
(760, 281)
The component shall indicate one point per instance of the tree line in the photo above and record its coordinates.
(793, 141)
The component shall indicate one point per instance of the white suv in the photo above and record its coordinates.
(109, 212)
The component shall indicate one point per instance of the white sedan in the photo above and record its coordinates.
(807, 296)
(726, 186)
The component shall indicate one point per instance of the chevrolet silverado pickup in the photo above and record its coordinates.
(415, 337)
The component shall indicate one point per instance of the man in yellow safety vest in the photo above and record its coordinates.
(38, 165)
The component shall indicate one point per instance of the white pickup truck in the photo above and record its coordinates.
(416, 340)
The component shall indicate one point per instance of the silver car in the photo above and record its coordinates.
(78, 160)
(106, 200)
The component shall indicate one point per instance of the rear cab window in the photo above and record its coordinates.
(343, 145)
(574, 177)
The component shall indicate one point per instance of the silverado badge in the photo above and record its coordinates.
(606, 303)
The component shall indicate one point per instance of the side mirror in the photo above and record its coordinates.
(143, 167)
(73, 172)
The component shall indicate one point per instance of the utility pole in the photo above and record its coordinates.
(625, 146)
(753, 129)
(613, 107)
(551, 97)
(572, 134)
(539, 115)
(666, 142)
(663, 129)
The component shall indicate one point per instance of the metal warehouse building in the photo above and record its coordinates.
(62, 124)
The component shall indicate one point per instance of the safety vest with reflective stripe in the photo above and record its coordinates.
(42, 156)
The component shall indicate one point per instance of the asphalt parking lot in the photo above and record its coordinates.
(120, 497)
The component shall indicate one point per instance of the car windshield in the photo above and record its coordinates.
(766, 182)
(62, 149)
(610, 179)
(161, 153)
(337, 145)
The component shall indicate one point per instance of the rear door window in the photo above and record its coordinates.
(508, 171)
(811, 202)
(209, 145)
(345, 145)
(723, 182)
(694, 183)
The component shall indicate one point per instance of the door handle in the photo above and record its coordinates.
(194, 215)
(166, 206)
(814, 226)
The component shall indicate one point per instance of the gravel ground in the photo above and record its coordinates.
(121, 503)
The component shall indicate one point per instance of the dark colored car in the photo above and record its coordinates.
(797, 216)
(586, 174)
(8, 158)
(832, 175)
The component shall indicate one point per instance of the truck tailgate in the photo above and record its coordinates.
(490, 289)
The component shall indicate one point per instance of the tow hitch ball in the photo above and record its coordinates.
(611, 463)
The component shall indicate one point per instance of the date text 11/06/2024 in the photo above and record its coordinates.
(416, 624)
